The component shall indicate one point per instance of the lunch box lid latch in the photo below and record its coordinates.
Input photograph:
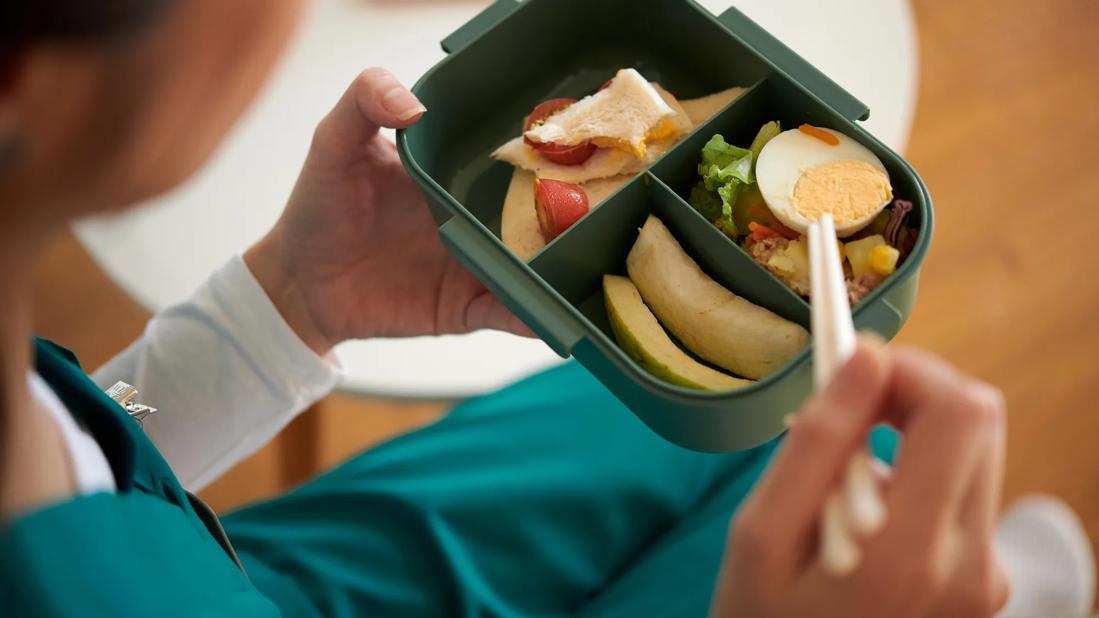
(481, 23)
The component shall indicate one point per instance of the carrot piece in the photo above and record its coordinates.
(761, 231)
(820, 134)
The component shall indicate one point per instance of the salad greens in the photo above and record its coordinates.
(767, 133)
(726, 172)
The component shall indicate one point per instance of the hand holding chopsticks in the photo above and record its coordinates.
(898, 551)
(856, 510)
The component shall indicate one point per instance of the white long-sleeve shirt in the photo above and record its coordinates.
(225, 372)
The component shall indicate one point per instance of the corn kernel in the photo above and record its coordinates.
(883, 260)
(843, 250)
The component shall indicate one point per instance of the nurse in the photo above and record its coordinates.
(547, 498)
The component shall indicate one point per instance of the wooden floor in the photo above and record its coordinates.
(1007, 138)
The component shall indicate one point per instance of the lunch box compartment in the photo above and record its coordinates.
(776, 100)
(513, 56)
(477, 99)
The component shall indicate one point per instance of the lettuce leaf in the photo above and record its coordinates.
(727, 172)
(728, 194)
(716, 206)
(706, 202)
(766, 133)
(724, 164)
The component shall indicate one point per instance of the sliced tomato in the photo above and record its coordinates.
(567, 155)
(560, 154)
(542, 111)
(559, 205)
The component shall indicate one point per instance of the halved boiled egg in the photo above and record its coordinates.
(807, 172)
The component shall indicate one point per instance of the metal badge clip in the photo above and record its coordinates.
(124, 395)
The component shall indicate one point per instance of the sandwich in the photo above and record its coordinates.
(590, 148)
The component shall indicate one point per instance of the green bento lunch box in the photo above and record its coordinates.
(516, 54)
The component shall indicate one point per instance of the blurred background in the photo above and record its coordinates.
(1005, 133)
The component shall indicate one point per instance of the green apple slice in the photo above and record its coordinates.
(644, 340)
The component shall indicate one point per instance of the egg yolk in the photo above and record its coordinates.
(664, 130)
(848, 189)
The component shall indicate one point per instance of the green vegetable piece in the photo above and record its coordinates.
(750, 207)
(724, 164)
(729, 193)
(766, 133)
(726, 170)
(706, 202)
(712, 206)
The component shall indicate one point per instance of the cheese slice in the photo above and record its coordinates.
(620, 116)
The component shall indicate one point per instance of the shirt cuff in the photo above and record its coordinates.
(265, 336)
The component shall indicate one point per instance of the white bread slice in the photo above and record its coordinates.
(681, 120)
(702, 109)
(621, 116)
(519, 226)
(606, 162)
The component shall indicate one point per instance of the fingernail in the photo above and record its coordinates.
(402, 103)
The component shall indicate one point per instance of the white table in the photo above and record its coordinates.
(868, 46)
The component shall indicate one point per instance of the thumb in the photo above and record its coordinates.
(832, 424)
(374, 100)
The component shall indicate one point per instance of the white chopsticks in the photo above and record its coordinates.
(833, 329)
(855, 510)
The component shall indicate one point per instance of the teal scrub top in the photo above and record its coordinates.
(149, 550)
(546, 498)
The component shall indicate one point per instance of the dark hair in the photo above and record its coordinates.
(26, 21)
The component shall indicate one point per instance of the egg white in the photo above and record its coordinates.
(790, 154)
